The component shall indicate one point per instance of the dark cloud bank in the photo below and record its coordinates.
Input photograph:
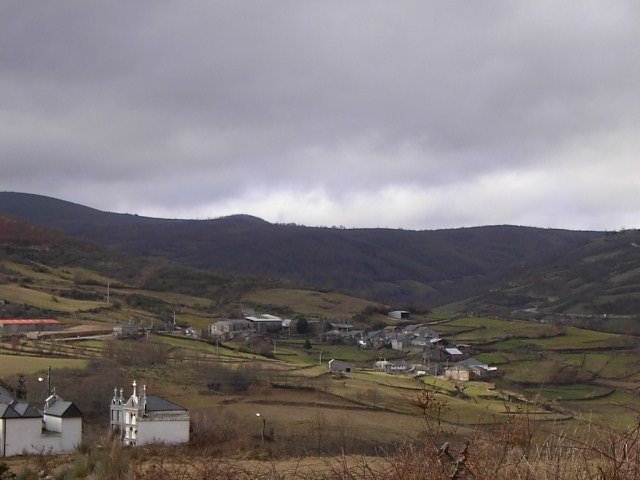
(399, 114)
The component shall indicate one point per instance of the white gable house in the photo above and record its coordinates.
(147, 419)
(24, 429)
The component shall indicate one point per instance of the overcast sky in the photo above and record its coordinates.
(413, 114)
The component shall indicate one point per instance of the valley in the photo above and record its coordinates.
(551, 375)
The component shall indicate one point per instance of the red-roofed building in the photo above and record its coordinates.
(22, 325)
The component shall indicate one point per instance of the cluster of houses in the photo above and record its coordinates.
(139, 418)
(57, 428)
(438, 356)
(248, 328)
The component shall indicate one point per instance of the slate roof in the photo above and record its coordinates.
(453, 351)
(25, 410)
(5, 395)
(62, 408)
(6, 411)
(18, 410)
(29, 321)
(472, 362)
(159, 404)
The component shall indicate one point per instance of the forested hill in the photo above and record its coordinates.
(414, 268)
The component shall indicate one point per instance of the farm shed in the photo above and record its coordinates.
(400, 315)
(266, 323)
(340, 366)
(23, 325)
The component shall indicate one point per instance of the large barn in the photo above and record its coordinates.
(23, 325)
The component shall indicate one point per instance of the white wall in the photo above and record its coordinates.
(67, 441)
(53, 424)
(24, 435)
(158, 431)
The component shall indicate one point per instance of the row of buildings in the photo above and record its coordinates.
(138, 419)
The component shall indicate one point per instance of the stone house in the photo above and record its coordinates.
(469, 369)
(128, 330)
(227, 329)
(336, 366)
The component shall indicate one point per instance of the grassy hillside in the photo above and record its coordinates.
(421, 268)
(597, 284)
(43, 272)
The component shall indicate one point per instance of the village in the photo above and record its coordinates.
(138, 418)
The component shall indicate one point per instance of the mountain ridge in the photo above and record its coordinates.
(415, 268)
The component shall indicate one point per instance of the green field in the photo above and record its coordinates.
(570, 392)
(309, 303)
(27, 296)
(12, 365)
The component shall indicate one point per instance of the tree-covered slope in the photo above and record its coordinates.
(422, 268)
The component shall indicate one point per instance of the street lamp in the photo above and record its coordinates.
(264, 425)
(48, 378)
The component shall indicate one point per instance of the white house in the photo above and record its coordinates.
(392, 366)
(23, 429)
(148, 419)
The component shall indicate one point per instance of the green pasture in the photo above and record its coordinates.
(537, 371)
(83, 275)
(572, 338)
(177, 299)
(492, 358)
(618, 410)
(190, 346)
(579, 391)
(609, 365)
(21, 295)
(45, 274)
(195, 320)
(490, 329)
(90, 343)
(309, 303)
(11, 365)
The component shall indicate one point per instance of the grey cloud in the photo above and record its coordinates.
(225, 98)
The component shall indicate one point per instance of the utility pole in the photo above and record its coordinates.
(108, 293)
(40, 379)
(264, 426)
